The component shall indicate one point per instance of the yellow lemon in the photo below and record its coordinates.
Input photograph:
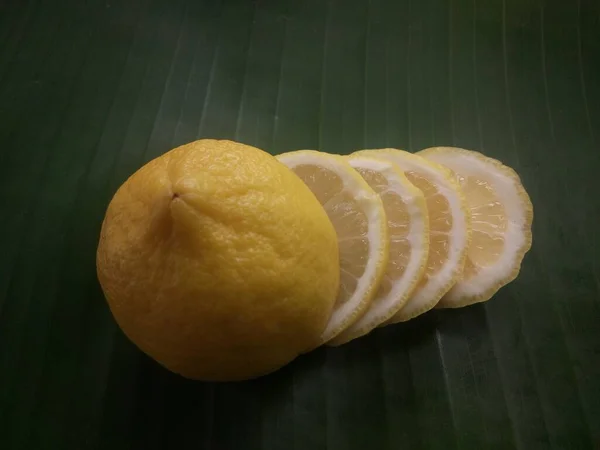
(218, 262)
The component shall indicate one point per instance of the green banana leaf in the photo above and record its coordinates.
(92, 89)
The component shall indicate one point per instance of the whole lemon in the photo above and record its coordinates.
(218, 262)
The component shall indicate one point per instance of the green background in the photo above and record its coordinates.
(90, 90)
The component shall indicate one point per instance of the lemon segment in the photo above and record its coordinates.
(408, 227)
(358, 216)
(501, 216)
(449, 229)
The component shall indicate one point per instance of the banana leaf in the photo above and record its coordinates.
(92, 89)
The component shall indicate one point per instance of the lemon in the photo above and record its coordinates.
(358, 217)
(218, 262)
(449, 229)
(501, 214)
(408, 225)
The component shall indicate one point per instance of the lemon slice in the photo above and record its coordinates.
(358, 217)
(449, 229)
(501, 217)
(408, 226)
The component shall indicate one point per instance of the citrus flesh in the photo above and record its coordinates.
(449, 229)
(501, 218)
(358, 217)
(408, 229)
(218, 262)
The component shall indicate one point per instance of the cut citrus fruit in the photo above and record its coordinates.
(408, 226)
(358, 217)
(449, 229)
(501, 217)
